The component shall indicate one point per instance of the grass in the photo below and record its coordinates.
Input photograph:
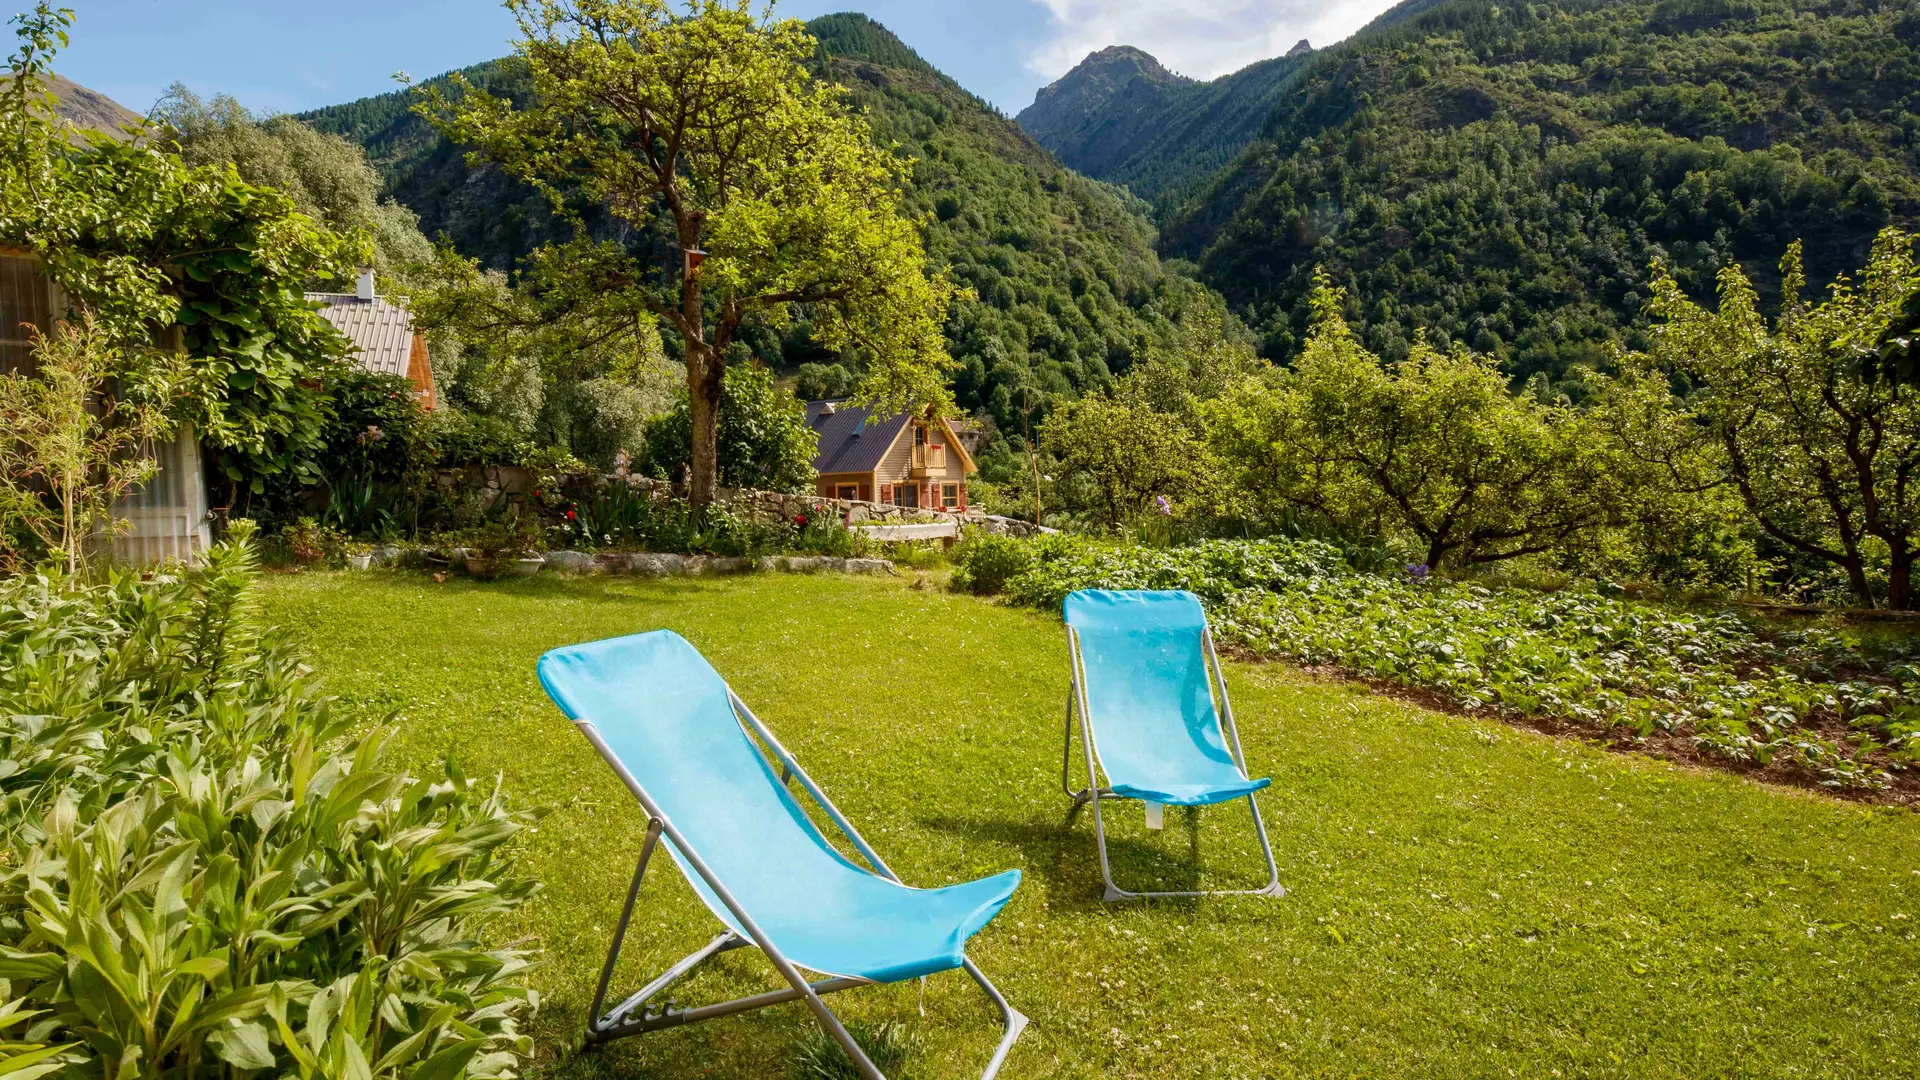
(1465, 899)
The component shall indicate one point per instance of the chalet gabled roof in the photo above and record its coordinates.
(382, 333)
(850, 442)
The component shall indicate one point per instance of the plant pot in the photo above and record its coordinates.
(526, 567)
(359, 562)
(476, 566)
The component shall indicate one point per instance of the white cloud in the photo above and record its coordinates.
(1203, 39)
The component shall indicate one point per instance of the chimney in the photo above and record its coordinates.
(365, 289)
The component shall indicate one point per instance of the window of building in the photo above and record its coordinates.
(846, 491)
(906, 495)
(949, 496)
(25, 301)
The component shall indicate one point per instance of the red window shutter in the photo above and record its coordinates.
(886, 493)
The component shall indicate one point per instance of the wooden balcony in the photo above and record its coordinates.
(925, 459)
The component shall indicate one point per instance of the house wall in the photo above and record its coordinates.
(828, 484)
(420, 373)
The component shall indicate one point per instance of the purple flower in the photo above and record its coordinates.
(1165, 507)
(1418, 571)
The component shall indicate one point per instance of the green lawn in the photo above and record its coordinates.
(1465, 899)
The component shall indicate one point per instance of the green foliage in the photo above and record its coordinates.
(70, 451)
(1819, 457)
(1436, 446)
(207, 265)
(1502, 175)
(985, 562)
(1840, 708)
(325, 175)
(200, 871)
(764, 441)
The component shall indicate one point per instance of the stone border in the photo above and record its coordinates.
(657, 564)
(661, 564)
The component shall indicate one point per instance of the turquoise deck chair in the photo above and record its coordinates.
(673, 732)
(1145, 676)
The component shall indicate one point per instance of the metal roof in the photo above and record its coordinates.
(382, 333)
(849, 443)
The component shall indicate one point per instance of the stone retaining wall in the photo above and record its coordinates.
(658, 564)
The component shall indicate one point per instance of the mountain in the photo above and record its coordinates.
(1502, 175)
(1067, 280)
(1122, 117)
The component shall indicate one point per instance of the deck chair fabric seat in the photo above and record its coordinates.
(666, 716)
(1144, 665)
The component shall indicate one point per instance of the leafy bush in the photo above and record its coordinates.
(987, 562)
(1737, 688)
(764, 440)
(199, 870)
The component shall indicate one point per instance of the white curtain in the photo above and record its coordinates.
(168, 514)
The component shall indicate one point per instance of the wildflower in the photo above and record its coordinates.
(1165, 507)
(800, 520)
(374, 434)
(569, 515)
(536, 494)
(1418, 571)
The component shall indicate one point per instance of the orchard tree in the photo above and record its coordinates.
(1825, 461)
(774, 192)
(1437, 446)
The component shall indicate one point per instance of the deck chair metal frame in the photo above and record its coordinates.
(1077, 703)
(636, 1016)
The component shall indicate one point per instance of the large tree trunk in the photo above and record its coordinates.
(1437, 549)
(704, 371)
(1900, 580)
(1857, 577)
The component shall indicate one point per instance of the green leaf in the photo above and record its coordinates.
(244, 1045)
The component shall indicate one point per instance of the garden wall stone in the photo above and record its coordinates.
(661, 564)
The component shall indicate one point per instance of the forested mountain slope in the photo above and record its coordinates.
(1503, 174)
(1069, 286)
(1121, 117)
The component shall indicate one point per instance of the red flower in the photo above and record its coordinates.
(800, 520)
(569, 515)
(536, 494)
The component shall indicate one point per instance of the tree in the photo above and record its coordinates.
(326, 176)
(1825, 462)
(764, 440)
(1125, 452)
(70, 450)
(711, 122)
(1437, 446)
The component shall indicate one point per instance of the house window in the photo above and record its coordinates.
(847, 492)
(906, 495)
(24, 302)
(949, 496)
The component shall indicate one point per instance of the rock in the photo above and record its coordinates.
(655, 564)
(386, 555)
(868, 566)
(572, 562)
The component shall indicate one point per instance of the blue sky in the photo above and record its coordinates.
(290, 55)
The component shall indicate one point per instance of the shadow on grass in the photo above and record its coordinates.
(1066, 858)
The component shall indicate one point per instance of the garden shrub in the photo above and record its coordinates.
(988, 561)
(1735, 687)
(202, 869)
